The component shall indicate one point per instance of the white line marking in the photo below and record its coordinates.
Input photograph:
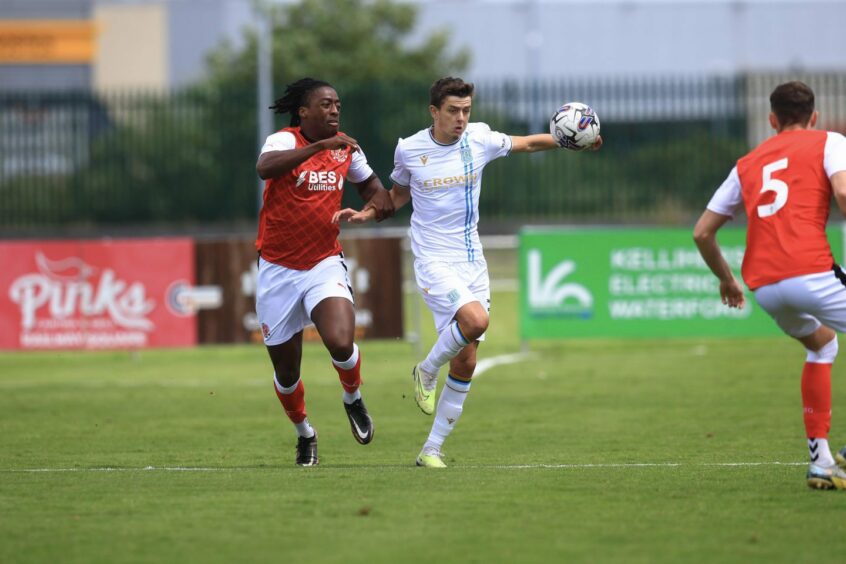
(646, 465)
(487, 363)
(141, 383)
(210, 385)
(139, 469)
(401, 467)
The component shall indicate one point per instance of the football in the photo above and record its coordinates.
(574, 126)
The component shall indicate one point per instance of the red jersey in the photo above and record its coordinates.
(787, 196)
(295, 222)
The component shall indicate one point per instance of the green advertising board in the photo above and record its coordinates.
(626, 282)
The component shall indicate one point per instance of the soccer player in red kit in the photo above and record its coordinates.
(302, 276)
(785, 185)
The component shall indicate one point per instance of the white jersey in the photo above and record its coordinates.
(445, 182)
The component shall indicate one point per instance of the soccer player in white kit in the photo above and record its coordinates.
(785, 186)
(440, 168)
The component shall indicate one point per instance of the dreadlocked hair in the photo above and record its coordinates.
(296, 95)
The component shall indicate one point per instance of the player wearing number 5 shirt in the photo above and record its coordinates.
(785, 186)
(302, 277)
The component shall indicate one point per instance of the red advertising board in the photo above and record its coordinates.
(96, 294)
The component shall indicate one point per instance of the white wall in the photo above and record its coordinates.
(132, 47)
(548, 38)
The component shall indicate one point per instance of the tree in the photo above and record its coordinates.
(359, 46)
(342, 41)
(189, 156)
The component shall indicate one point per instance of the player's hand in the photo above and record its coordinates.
(340, 141)
(596, 144)
(381, 204)
(353, 216)
(731, 293)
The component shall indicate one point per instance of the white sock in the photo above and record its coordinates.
(449, 344)
(450, 406)
(304, 428)
(351, 397)
(348, 364)
(820, 453)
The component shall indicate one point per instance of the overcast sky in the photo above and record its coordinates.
(798, 2)
(627, 1)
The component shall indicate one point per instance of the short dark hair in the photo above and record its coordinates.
(296, 95)
(449, 86)
(792, 102)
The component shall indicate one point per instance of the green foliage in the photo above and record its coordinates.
(361, 48)
(51, 204)
(170, 159)
(189, 157)
(342, 41)
(654, 172)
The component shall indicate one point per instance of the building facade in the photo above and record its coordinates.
(162, 44)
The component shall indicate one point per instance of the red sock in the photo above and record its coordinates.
(294, 403)
(816, 399)
(350, 379)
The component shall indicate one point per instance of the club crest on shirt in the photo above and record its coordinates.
(339, 155)
(466, 155)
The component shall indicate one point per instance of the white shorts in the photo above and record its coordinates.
(801, 304)
(447, 286)
(285, 297)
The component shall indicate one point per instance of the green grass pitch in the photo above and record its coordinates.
(589, 451)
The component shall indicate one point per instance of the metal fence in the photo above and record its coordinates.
(187, 158)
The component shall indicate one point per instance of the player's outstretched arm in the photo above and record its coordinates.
(705, 236)
(276, 163)
(541, 142)
(400, 195)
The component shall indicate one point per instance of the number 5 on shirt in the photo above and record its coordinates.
(773, 185)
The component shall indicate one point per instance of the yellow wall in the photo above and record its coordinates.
(132, 47)
(47, 41)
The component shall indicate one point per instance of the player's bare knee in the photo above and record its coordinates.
(826, 354)
(473, 326)
(826, 335)
(340, 349)
(820, 338)
(286, 376)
